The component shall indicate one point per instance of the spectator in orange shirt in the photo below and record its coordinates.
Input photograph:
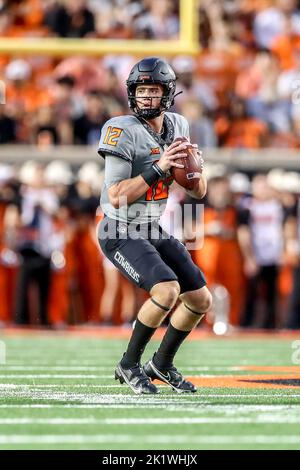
(23, 97)
(19, 19)
(89, 268)
(9, 261)
(270, 22)
(283, 45)
(236, 129)
(258, 86)
(220, 255)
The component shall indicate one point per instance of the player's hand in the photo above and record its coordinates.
(195, 147)
(168, 159)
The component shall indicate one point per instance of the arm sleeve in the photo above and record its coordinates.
(116, 169)
(116, 141)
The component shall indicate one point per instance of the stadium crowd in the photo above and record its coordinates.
(240, 92)
(52, 271)
(244, 81)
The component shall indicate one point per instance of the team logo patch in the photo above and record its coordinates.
(155, 151)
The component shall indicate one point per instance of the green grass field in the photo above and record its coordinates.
(57, 391)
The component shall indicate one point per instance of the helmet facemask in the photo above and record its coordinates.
(149, 113)
(166, 100)
(151, 71)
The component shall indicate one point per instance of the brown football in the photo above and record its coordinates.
(188, 176)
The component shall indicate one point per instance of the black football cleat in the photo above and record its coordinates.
(136, 378)
(170, 376)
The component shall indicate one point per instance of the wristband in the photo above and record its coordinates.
(158, 169)
(152, 175)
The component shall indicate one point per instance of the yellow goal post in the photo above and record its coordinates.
(187, 44)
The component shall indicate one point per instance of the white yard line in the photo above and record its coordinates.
(55, 376)
(117, 398)
(99, 400)
(268, 419)
(96, 406)
(7, 368)
(233, 440)
(228, 409)
(272, 419)
(179, 405)
(43, 388)
(35, 388)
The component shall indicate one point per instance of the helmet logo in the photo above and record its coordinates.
(144, 77)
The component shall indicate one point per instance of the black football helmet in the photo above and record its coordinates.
(147, 71)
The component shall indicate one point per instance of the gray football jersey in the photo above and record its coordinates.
(136, 147)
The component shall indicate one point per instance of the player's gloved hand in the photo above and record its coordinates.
(169, 156)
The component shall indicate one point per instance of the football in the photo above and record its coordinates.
(188, 176)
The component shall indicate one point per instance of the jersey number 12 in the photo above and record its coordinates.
(159, 190)
(112, 135)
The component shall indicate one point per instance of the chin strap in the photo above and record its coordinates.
(179, 93)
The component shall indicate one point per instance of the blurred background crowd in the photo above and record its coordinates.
(53, 273)
(241, 91)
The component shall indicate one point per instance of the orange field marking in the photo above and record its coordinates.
(284, 369)
(247, 381)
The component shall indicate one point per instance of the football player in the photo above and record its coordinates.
(139, 150)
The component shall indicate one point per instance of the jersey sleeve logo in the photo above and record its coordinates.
(112, 135)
